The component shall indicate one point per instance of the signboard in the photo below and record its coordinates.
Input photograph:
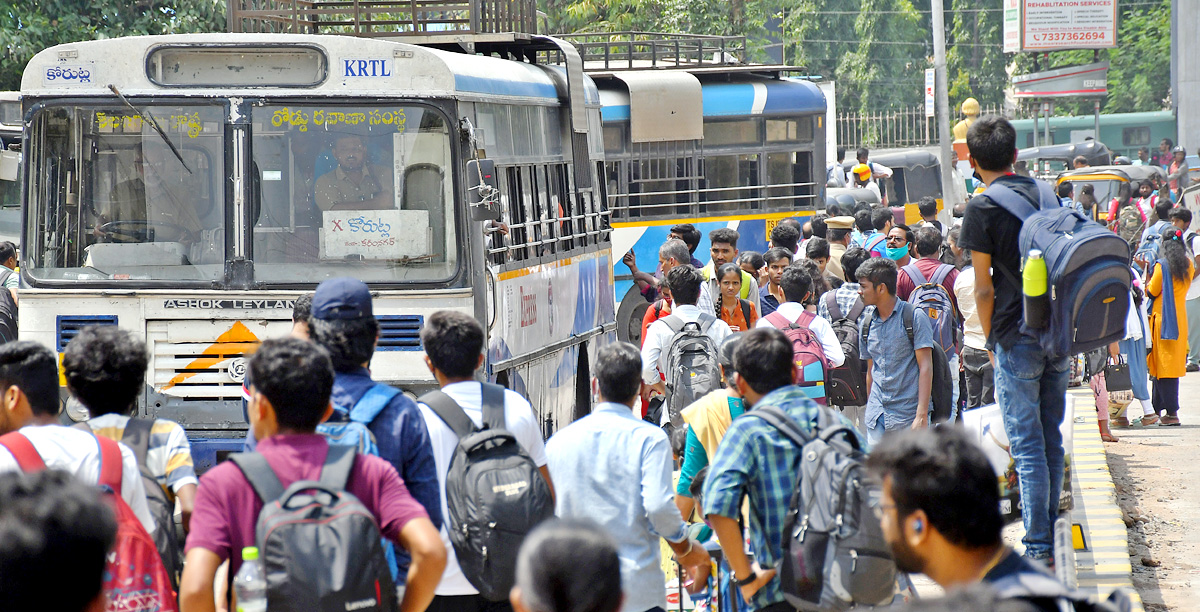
(1086, 81)
(1051, 25)
(374, 234)
(1012, 26)
(930, 83)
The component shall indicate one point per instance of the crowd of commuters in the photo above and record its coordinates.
(849, 293)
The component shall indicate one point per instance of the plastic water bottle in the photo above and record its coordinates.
(1034, 286)
(249, 583)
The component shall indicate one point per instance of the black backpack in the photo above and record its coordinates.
(494, 493)
(941, 396)
(8, 310)
(137, 438)
(846, 385)
(834, 554)
(319, 546)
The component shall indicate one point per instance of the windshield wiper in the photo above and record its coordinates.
(153, 124)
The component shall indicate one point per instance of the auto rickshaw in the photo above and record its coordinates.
(1048, 161)
(916, 174)
(1106, 181)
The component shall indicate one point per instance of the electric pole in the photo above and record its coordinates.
(941, 90)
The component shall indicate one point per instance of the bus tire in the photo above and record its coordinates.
(629, 316)
(583, 385)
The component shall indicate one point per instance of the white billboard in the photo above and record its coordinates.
(1049, 25)
(1012, 26)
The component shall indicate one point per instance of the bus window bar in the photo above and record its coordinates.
(702, 190)
(384, 17)
(751, 200)
(632, 50)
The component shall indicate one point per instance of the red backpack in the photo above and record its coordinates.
(134, 576)
(808, 352)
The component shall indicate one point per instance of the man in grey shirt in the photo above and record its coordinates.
(615, 469)
(899, 370)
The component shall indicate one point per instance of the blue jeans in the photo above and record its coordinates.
(1031, 389)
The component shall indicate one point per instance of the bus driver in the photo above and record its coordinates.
(161, 195)
(356, 184)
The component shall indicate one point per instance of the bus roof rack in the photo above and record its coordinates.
(606, 53)
(432, 22)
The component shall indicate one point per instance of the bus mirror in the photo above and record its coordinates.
(10, 166)
(484, 190)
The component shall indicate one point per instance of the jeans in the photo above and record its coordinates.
(1139, 375)
(980, 378)
(954, 363)
(1031, 387)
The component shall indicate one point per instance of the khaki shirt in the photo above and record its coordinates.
(337, 187)
(834, 267)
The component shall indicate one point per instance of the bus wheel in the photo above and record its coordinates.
(583, 385)
(629, 316)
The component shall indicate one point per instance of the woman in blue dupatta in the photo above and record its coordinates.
(1170, 278)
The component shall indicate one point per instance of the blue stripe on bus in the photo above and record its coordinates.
(725, 99)
(615, 113)
(502, 87)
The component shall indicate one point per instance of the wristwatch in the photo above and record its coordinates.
(748, 579)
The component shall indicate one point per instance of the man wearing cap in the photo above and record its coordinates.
(343, 322)
(865, 172)
(837, 231)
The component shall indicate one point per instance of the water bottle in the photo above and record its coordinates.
(249, 583)
(1034, 286)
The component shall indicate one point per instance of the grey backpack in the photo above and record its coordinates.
(692, 371)
(495, 494)
(834, 554)
(319, 546)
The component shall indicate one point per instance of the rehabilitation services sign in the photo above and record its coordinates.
(1049, 25)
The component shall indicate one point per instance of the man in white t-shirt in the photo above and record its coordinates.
(29, 404)
(453, 344)
(686, 285)
(1182, 218)
(797, 287)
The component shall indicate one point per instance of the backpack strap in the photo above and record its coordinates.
(706, 322)
(906, 315)
(449, 412)
(745, 304)
(1015, 203)
(674, 323)
(870, 246)
(4, 274)
(805, 319)
(835, 311)
(493, 405)
(372, 403)
(339, 462)
(777, 418)
(110, 464)
(259, 474)
(777, 320)
(137, 437)
(857, 310)
(939, 275)
(23, 451)
(914, 273)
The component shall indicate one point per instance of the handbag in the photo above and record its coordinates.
(1116, 375)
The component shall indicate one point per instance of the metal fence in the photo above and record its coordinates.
(383, 18)
(902, 128)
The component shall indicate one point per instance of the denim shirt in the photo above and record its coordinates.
(895, 374)
(615, 469)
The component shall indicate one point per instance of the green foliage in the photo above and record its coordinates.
(976, 71)
(28, 26)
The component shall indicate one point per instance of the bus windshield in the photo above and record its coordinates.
(112, 198)
(364, 191)
(333, 190)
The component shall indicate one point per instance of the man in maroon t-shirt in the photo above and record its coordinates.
(291, 381)
(928, 243)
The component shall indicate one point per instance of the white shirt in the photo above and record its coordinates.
(706, 303)
(659, 334)
(964, 290)
(820, 328)
(1194, 289)
(960, 188)
(518, 420)
(78, 452)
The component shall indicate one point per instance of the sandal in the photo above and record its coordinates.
(1169, 421)
(1107, 437)
(1119, 422)
(1149, 419)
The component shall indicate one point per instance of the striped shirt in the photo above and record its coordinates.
(169, 456)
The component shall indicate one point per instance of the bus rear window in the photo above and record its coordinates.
(236, 66)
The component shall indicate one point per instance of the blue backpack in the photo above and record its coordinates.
(1087, 270)
(350, 428)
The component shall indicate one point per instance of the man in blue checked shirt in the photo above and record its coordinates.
(614, 468)
(757, 459)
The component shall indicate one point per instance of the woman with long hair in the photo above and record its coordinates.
(1170, 278)
(731, 308)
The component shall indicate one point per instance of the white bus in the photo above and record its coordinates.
(190, 187)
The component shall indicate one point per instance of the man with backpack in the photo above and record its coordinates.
(105, 368)
(1030, 381)
(897, 342)
(758, 460)
(342, 321)
(816, 348)
(290, 385)
(615, 469)
(882, 221)
(454, 343)
(1151, 239)
(839, 307)
(928, 284)
(668, 340)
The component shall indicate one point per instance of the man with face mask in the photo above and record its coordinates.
(940, 514)
(899, 241)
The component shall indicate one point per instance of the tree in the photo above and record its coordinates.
(975, 66)
(28, 26)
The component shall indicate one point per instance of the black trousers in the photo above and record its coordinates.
(980, 377)
(1165, 397)
(467, 603)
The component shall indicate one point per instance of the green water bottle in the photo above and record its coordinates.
(1037, 295)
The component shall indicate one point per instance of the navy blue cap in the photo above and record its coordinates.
(342, 298)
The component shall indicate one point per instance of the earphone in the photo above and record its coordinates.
(918, 525)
